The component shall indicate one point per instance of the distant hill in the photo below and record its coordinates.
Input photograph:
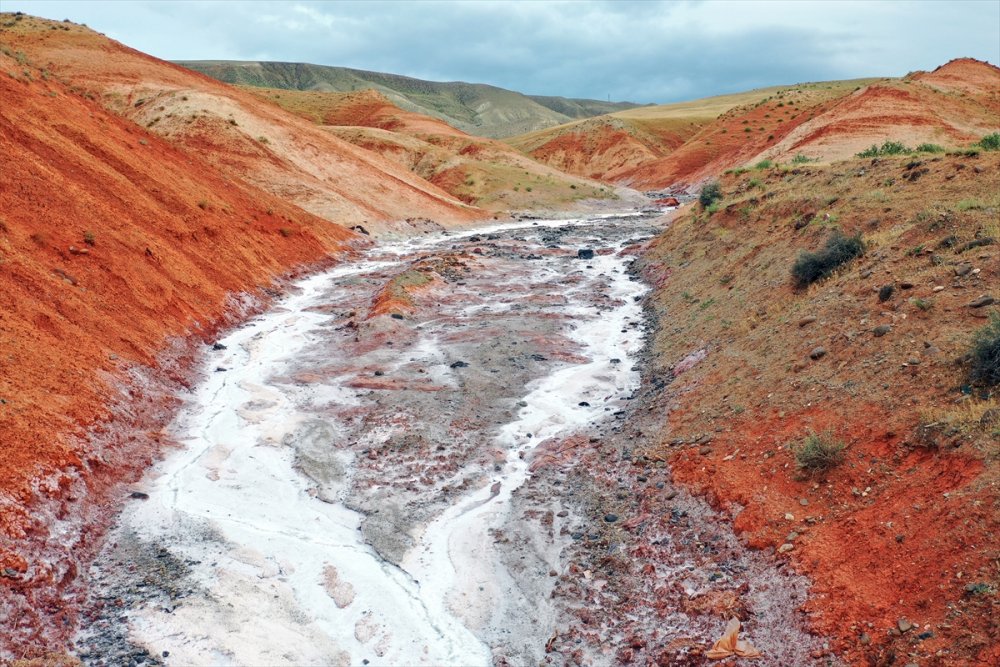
(681, 145)
(476, 108)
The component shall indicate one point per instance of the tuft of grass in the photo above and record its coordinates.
(764, 164)
(802, 158)
(818, 453)
(969, 205)
(985, 367)
(930, 148)
(839, 250)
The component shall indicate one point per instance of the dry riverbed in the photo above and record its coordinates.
(433, 456)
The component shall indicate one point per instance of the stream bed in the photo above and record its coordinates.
(414, 459)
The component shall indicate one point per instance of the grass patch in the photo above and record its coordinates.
(839, 250)
(818, 453)
(930, 148)
(763, 164)
(888, 148)
(802, 158)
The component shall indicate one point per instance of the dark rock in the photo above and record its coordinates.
(379, 373)
(905, 284)
(220, 369)
(139, 495)
(978, 243)
(584, 404)
(610, 518)
(963, 269)
(462, 364)
(886, 293)
(218, 346)
(881, 330)
(984, 300)
(396, 316)
(817, 353)
(585, 253)
(361, 230)
(925, 635)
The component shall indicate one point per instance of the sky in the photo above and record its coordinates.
(629, 51)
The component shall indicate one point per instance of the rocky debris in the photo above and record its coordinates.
(218, 346)
(458, 364)
(817, 353)
(886, 292)
(808, 319)
(982, 301)
(963, 269)
(881, 330)
(585, 253)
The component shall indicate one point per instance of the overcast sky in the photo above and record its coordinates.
(637, 51)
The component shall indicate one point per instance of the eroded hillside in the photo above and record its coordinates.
(679, 146)
(900, 537)
(245, 140)
(481, 172)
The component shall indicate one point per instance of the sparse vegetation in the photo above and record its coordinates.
(991, 142)
(818, 453)
(985, 367)
(89, 238)
(711, 193)
(801, 158)
(763, 164)
(839, 250)
(930, 148)
(888, 148)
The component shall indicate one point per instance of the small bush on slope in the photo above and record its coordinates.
(991, 142)
(709, 194)
(839, 249)
(818, 453)
(986, 353)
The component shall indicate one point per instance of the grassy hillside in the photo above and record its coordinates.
(478, 109)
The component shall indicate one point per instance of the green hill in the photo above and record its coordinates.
(475, 108)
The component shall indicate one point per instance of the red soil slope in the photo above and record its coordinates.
(906, 529)
(246, 140)
(111, 242)
(675, 146)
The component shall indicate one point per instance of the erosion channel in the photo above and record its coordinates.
(427, 457)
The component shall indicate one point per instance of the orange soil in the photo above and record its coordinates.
(245, 139)
(901, 527)
(77, 315)
(954, 105)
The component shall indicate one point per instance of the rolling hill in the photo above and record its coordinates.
(475, 108)
(680, 145)
(485, 173)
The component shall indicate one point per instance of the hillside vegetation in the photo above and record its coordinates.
(475, 108)
(841, 420)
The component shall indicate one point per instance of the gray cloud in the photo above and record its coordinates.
(639, 51)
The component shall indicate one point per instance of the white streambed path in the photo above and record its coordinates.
(288, 578)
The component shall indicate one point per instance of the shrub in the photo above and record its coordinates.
(89, 238)
(888, 148)
(986, 353)
(818, 453)
(991, 142)
(710, 193)
(930, 148)
(764, 164)
(839, 249)
(801, 158)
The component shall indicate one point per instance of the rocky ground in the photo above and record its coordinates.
(411, 393)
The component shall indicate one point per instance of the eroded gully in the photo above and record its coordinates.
(412, 460)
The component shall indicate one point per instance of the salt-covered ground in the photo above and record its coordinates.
(399, 488)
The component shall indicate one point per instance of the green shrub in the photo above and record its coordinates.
(991, 142)
(801, 158)
(930, 148)
(986, 353)
(818, 453)
(710, 193)
(763, 164)
(839, 249)
(888, 148)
